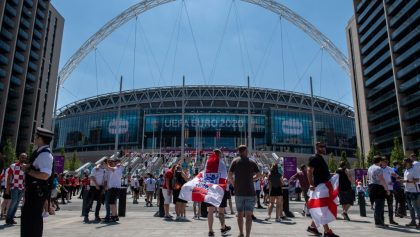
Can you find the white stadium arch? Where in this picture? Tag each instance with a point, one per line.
(145, 5)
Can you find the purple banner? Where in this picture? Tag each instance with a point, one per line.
(58, 164)
(360, 173)
(289, 165)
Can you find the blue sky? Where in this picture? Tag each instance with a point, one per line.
(165, 48)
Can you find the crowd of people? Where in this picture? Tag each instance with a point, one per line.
(245, 180)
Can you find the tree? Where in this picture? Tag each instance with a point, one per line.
(30, 150)
(360, 163)
(9, 153)
(332, 165)
(371, 154)
(397, 153)
(74, 162)
(343, 157)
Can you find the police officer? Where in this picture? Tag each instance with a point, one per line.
(37, 172)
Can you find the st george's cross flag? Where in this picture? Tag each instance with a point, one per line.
(197, 190)
(209, 185)
(323, 202)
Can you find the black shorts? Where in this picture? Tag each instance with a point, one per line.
(276, 192)
(346, 197)
(228, 195)
(113, 195)
(223, 204)
(7, 196)
(176, 197)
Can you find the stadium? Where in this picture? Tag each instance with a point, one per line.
(215, 116)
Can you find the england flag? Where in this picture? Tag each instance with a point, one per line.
(323, 202)
(198, 190)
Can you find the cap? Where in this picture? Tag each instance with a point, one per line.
(42, 132)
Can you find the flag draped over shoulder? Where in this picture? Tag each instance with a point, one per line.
(209, 185)
(323, 202)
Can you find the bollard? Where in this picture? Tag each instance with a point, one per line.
(122, 202)
(286, 208)
(161, 203)
(362, 203)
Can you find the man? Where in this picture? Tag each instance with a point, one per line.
(96, 189)
(378, 190)
(135, 188)
(15, 187)
(167, 191)
(38, 171)
(216, 172)
(318, 173)
(388, 175)
(400, 209)
(150, 184)
(115, 171)
(416, 165)
(304, 185)
(245, 172)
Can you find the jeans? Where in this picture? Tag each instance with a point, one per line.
(258, 197)
(379, 211)
(413, 205)
(16, 195)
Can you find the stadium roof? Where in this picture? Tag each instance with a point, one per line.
(223, 97)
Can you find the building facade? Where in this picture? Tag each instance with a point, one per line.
(215, 116)
(30, 44)
(383, 39)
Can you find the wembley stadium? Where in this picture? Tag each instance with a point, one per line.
(215, 116)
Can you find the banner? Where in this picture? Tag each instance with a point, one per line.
(289, 166)
(197, 190)
(58, 164)
(360, 173)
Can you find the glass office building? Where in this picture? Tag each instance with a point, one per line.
(151, 119)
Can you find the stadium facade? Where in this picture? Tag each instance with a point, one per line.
(215, 116)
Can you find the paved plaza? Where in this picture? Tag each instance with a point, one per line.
(140, 221)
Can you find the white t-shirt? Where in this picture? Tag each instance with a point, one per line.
(388, 171)
(99, 174)
(114, 177)
(44, 161)
(410, 174)
(374, 173)
(135, 183)
(150, 184)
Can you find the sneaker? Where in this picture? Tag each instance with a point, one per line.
(381, 226)
(253, 218)
(267, 219)
(392, 222)
(313, 230)
(106, 220)
(211, 234)
(345, 216)
(45, 214)
(284, 218)
(225, 230)
(86, 219)
(278, 220)
(411, 224)
(97, 219)
(330, 234)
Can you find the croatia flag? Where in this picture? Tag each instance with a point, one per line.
(209, 185)
(323, 202)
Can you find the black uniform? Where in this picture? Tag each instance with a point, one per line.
(36, 192)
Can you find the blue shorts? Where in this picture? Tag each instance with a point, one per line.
(245, 203)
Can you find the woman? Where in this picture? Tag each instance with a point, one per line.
(179, 179)
(411, 179)
(275, 184)
(345, 191)
(6, 194)
(54, 193)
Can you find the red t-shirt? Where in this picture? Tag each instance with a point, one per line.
(85, 181)
(168, 175)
